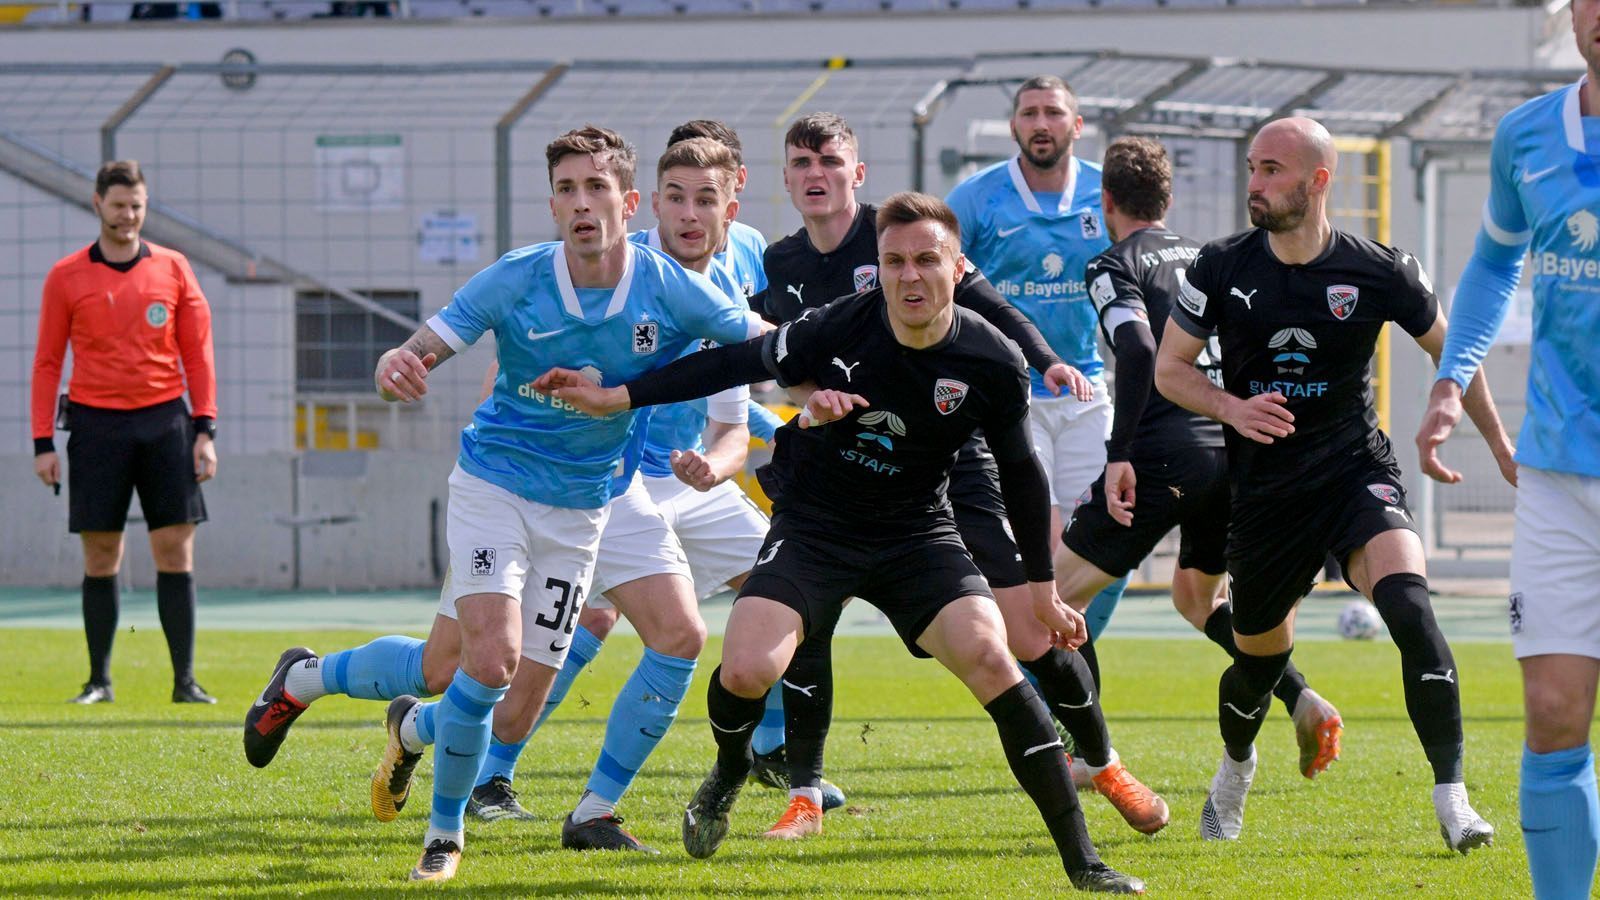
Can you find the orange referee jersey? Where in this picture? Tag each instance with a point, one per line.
(128, 330)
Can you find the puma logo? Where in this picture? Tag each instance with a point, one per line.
(804, 690)
(1448, 677)
(1084, 705)
(1032, 750)
(840, 363)
(1235, 292)
(795, 290)
(1241, 713)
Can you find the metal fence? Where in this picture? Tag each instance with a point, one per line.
(328, 207)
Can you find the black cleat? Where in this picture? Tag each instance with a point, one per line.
(391, 781)
(1100, 878)
(495, 800)
(604, 833)
(771, 769)
(705, 820)
(189, 692)
(94, 693)
(267, 723)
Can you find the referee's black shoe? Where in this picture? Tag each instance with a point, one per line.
(267, 723)
(94, 693)
(705, 819)
(602, 833)
(187, 691)
(1100, 878)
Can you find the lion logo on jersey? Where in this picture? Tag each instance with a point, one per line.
(1054, 265)
(1584, 228)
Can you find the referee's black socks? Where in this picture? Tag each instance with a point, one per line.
(733, 722)
(100, 606)
(1069, 690)
(175, 606)
(1039, 763)
(1219, 628)
(1433, 692)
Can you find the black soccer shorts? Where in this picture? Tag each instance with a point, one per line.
(812, 569)
(112, 452)
(1277, 544)
(1187, 490)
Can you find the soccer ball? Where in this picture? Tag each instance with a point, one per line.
(1359, 621)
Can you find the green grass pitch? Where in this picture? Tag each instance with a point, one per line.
(144, 798)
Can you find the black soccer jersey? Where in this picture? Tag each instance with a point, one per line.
(1140, 273)
(1308, 332)
(799, 277)
(887, 463)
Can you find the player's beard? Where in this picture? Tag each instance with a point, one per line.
(1044, 161)
(1285, 218)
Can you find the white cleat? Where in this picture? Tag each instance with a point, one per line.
(1222, 819)
(1460, 825)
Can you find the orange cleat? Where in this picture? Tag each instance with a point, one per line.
(1317, 729)
(802, 819)
(1142, 808)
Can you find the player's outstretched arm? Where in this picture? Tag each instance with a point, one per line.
(1445, 405)
(690, 377)
(1261, 418)
(402, 372)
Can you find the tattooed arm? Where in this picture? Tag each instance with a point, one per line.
(403, 371)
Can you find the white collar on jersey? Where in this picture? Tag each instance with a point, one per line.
(1572, 116)
(652, 239)
(569, 294)
(1029, 200)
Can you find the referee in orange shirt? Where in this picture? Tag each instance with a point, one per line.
(132, 311)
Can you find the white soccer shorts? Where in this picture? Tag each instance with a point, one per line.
(1555, 565)
(721, 530)
(501, 543)
(1070, 437)
(637, 543)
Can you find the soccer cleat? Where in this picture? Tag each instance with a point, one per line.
(832, 796)
(1222, 818)
(771, 769)
(1142, 808)
(189, 692)
(802, 819)
(1460, 825)
(267, 723)
(1317, 729)
(94, 693)
(1100, 878)
(495, 800)
(705, 819)
(603, 833)
(438, 862)
(391, 781)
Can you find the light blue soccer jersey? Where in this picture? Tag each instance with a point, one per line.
(742, 256)
(680, 426)
(1033, 248)
(1544, 197)
(538, 447)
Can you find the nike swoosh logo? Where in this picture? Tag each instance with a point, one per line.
(1032, 750)
(261, 701)
(541, 335)
(555, 649)
(1008, 232)
(1531, 177)
(449, 752)
(652, 736)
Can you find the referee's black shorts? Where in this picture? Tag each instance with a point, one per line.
(1187, 490)
(812, 569)
(113, 452)
(1277, 544)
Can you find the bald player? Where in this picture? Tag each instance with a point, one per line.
(1297, 306)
